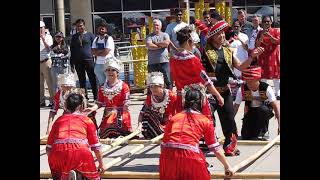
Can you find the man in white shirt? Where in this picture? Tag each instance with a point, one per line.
(253, 34)
(172, 30)
(260, 101)
(45, 64)
(103, 49)
(240, 44)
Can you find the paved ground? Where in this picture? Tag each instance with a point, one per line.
(147, 160)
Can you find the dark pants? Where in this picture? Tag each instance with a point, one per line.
(165, 69)
(226, 117)
(82, 67)
(256, 122)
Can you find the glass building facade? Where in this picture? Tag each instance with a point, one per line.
(119, 14)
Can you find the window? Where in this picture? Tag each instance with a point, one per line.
(114, 23)
(106, 5)
(259, 2)
(166, 4)
(67, 6)
(133, 21)
(131, 5)
(46, 7)
(238, 2)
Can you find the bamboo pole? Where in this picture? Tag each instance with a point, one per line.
(133, 151)
(44, 137)
(155, 175)
(118, 142)
(142, 141)
(242, 165)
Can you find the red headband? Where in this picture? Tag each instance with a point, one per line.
(252, 73)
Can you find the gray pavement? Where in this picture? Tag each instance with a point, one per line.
(148, 159)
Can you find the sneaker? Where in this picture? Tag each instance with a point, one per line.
(72, 175)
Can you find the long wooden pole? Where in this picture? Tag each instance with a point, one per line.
(155, 175)
(135, 141)
(133, 151)
(243, 164)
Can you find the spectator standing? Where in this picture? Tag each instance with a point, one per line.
(158, 57)
(269, 39)
(256, 29)
(103, 49)
(246, 26)
(172, 29)
(60, 55)
(240, 44)
(45, 64)
(81, 57)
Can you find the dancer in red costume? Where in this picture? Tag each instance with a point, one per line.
(68, 146)
(180, 156)
(114, 95)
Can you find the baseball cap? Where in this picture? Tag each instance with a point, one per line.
(42, 24)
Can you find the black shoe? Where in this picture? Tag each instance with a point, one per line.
(278, 98)
(43, 104)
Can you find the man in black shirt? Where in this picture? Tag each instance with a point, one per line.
(81, 57)
(219, 62)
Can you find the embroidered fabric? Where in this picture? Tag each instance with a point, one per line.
(160, 106)
(180, 146)
(71, 140)
(111, 92)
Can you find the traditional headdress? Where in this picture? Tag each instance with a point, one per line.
(155, 78)
(217, 27)
(112, 63)
(198, 86)
(252, 73)
(202, 27)
(66, 80)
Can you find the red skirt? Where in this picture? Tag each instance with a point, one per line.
(181, 164)
(66, 157)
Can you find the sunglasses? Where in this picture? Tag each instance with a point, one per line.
(266, 21)
(110, 70)
(58, 36)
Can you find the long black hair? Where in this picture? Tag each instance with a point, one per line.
(73, 101)
(183, 35)
(193, 101)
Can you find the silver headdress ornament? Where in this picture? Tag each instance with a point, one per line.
(113, 63)
(155, 78)
(74, 90)
(194, 35)
(66, 80)
(197, 86)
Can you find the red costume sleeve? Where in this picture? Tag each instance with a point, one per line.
(100, 95)
(125, 94)
(51, 136)
(92, 135)
(276, 34)
(209, 134)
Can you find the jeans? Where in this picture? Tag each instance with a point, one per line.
(165, 69)
(99, 71)
(55, 71)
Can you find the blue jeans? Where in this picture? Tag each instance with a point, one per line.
(55, 71)
(165, 69)
(99, 71)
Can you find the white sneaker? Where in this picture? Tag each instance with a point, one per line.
(72, 175)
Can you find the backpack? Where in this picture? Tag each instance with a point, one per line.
(116, 50)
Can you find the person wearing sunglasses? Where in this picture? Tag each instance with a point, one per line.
(114, 95)
(269, 60)
(172, 30)
(60, 55)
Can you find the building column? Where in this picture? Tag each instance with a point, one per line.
(60, 16)
(81, 9)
